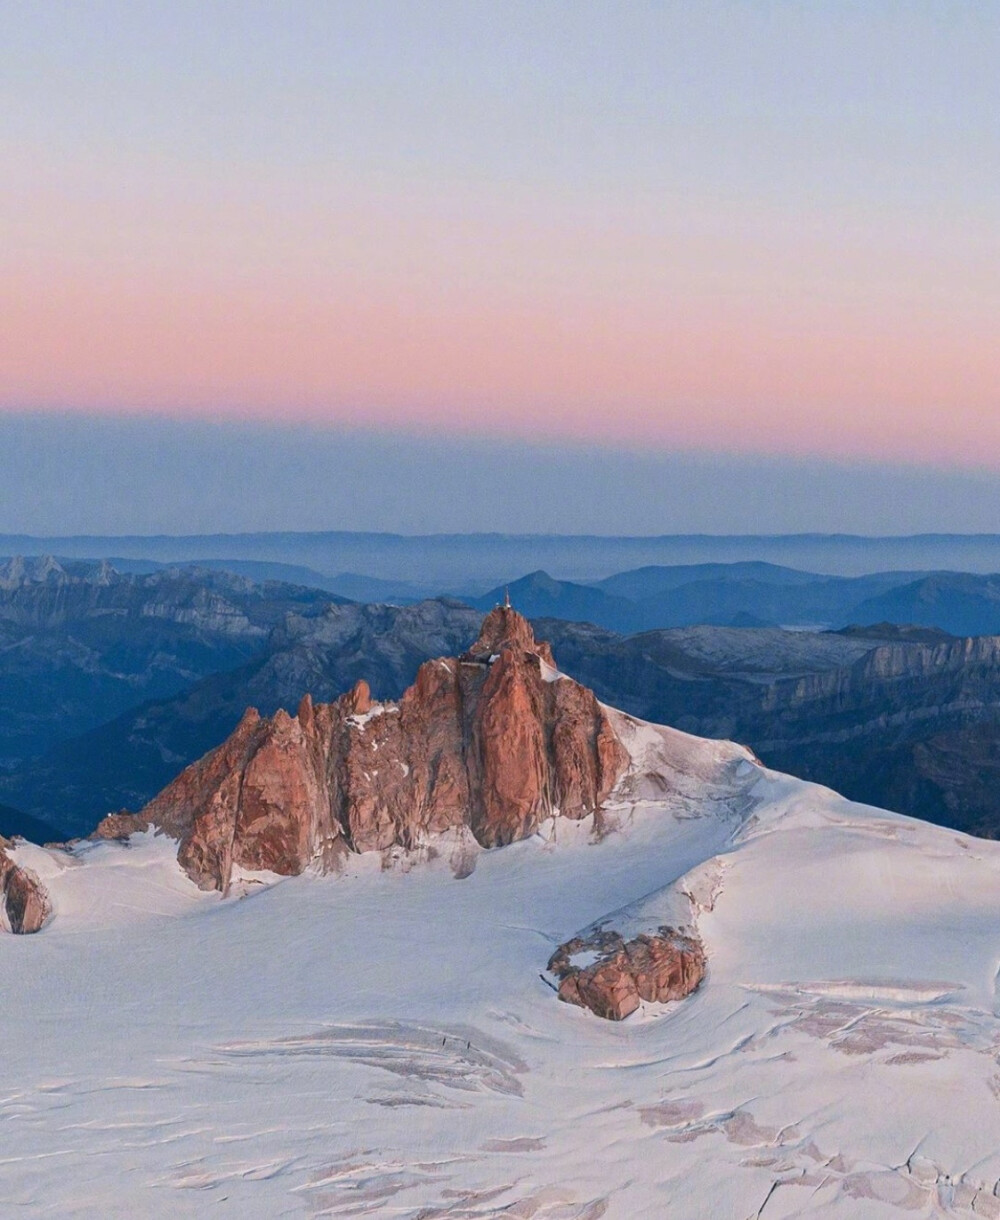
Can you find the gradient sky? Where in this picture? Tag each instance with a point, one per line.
(668, 229)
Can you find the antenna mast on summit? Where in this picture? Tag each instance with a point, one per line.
(506, 598)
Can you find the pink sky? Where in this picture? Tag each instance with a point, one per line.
(755, 360)
(512, 229)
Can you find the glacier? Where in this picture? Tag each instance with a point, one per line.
(385, 1042)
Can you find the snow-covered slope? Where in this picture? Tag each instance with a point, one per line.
(384, 1042)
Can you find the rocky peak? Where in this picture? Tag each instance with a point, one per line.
(503, 629)
(104, 574)
(19, 571)
(488, 745)
(358, 700)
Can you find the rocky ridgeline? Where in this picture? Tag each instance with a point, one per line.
(494, 742)
(24, 902)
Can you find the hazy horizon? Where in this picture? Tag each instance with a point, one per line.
(66, 474)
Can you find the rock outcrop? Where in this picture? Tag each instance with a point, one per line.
(494, 741)
(24, 901)
(620, 974)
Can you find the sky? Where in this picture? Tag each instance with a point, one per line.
(464, 243)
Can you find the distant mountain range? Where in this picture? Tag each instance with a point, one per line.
(742, 593)
(81, 642)
(477, 562)
(759, 595)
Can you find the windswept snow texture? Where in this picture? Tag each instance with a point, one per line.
(383, 1043)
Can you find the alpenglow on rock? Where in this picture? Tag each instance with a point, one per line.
(494, 741)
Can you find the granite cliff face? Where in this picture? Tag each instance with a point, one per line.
(24, 902)
(493, 742)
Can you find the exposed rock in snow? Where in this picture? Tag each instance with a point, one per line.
(24, 903)
(619, 974)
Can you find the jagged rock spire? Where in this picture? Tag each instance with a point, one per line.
(486, 745)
